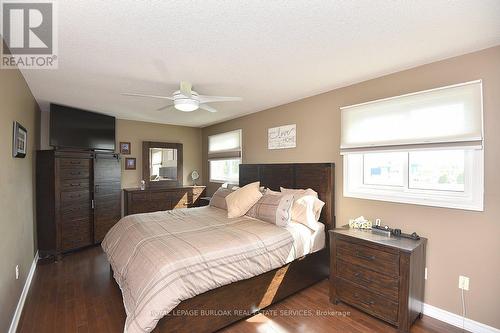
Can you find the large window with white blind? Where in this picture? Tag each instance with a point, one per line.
(224, 157)
(423, 148)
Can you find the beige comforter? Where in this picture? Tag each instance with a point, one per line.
(162, 258)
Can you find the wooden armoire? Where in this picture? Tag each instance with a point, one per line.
(78, 198)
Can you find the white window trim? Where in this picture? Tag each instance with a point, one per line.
(471, 199)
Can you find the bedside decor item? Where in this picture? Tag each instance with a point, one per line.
(195, 176)
(143, 185)
(360, 223)
(282, 137)
(19, 140)
(125, 148)
(130, 163)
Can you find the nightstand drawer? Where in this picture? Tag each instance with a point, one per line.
(374, 304)
(385, 285)
(377, 260)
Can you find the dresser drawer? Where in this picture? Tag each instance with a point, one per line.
(69, 197)
(374, 304)
(74, 173)
(383, 284)
(76, 211)
(74, 184)
(368, 257)
(75, 233)
(74, 163)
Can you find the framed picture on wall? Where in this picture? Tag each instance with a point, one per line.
(130, 163)
(125, 148)
(19, 140)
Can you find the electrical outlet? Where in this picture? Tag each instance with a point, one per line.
(425, 274)
(463, 282)
(17, 272)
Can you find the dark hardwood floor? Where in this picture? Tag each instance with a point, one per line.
(79, 294)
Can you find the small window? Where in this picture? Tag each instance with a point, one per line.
(442, 178)
(224, 156)
(422, 148)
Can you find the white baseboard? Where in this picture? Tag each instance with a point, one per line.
(456, 320)
(22, 299)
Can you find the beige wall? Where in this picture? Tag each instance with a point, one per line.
(16, 192)
(136, 132)
(460, 242)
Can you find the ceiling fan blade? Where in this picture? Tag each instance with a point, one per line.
(209, 99)
(166, 107)
(185, 88)
(207, 108)
(145, 95)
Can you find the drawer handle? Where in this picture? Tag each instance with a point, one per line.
(74, 185)
(362, 279)
(75, 162)
(362, 256)
(369, 303)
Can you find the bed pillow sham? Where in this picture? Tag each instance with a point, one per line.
(299, 193)
(240, 201)
(218, 199)
(273, 208)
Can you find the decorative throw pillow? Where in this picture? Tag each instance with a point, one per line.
(268, 191)
(274, 209)
(240, 201)
(219, 198)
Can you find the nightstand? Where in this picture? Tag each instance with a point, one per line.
(380, 275)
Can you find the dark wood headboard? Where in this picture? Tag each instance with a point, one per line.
(317, 176)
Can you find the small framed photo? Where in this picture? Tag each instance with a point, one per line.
(130, 163)
(19, 140)
(125, 148)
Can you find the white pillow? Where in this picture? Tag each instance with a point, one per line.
(240, 201)
(299, 193)
(306, 209)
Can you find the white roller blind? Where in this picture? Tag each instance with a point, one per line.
(224, 145)
(448, 115)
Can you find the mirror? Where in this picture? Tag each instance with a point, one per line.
(162, 164)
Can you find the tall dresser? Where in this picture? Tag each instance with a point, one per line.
(78, 198)
(380, 275)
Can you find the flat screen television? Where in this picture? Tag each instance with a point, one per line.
(75, 128)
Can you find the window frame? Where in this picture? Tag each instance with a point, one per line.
(472, 198)
(229, 155)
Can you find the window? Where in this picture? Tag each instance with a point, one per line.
(224, 156)
(440, 163)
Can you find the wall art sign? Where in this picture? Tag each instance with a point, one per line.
(282, 137)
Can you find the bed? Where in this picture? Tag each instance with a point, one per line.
(176, 277)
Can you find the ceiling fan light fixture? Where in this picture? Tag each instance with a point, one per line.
(186, 105)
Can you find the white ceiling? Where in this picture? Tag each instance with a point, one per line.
(268, 52)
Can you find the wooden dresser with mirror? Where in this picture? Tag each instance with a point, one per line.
(162, 166)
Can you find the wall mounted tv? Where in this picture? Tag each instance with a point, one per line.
(75, 128)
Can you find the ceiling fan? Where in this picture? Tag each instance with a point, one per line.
(187, 100)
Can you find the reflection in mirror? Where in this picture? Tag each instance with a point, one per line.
(162, 164)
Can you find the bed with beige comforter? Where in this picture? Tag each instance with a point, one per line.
(160, 259)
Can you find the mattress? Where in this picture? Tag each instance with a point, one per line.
(160, 259)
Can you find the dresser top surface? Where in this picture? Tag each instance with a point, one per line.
(137, 189)
(404, 244)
